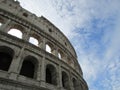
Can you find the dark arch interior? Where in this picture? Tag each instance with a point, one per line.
(65, 80)
(27, 69)
(75, 85)
(6, 55)
(51, 75)
(5, 61)
(48, 76)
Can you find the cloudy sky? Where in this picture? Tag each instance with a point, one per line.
(93, 27)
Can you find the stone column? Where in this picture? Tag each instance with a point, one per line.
(55, 52)
(43, 72)
(38, 72)
(42, 44)
(15, 65)
(43, 67)
(70, 81)
(39, 69)
(5, 26)
(60, 77)
(26, 35)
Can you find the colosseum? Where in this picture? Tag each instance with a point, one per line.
(40, 57)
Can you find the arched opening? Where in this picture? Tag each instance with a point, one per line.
(48, 48)
(6, 56)
(15, 32)
(65, 81)
(75, 84)
(51, 75)
(60, 54)
(28, 67)
(0, 24)
(2, 21)
(33, 41)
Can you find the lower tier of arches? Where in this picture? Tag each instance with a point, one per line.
(25, 65)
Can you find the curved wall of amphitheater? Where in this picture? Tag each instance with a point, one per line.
(25, 65)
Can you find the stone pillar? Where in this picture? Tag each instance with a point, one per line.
(15, 65)
(65, 58)
(5, 26)
(26, 35)
(43, 72)
(55, 52)
(60, 77)
(42, 44)
(70, 81)
(39, 72)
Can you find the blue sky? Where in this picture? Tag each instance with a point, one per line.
(93, 27)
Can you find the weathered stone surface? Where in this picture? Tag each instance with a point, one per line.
(25, 66)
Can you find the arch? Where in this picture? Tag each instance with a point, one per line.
(65, 80)
(75, 84)
(2, 21)
(60, 54)
(15, 32)
(29, 67)
(51, 74)
(33, 41)
(6, 56)
(48, 48)
(0, 24)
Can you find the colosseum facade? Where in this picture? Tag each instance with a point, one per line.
(40, 57)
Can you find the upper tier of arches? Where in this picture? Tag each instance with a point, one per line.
(40, 22)
(39, 36)
(30, 35)
(40, 33)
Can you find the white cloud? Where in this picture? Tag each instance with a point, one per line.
(114, 45)
(112, 71)
(68, 14)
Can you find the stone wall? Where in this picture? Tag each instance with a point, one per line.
(27, 66)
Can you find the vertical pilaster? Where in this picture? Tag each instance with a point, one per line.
(42, 44)
(43, 72)
(60, 77)
(15, 65)
(26, 35)
(65, 58)
(38, 71)
(70, 81)
(5, 26)
(55, 52)
(43, 65)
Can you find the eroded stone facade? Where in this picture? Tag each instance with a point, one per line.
(25, 65)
